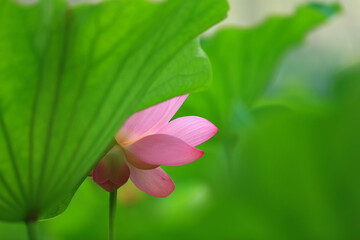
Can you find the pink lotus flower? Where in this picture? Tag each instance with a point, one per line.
(147, 140)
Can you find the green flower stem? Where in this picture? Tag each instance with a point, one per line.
(112, 214)
(33, 230)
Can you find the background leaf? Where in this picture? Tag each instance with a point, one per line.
(69, 76)
(244, 60)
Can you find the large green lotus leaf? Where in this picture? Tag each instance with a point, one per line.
(196, 72)
(244, 60)
(69, 76)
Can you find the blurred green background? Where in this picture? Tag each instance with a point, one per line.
(285, 163)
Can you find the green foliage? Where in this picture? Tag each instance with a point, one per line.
(281, 167)
(300, 168)
(69, 76)
(244, 60)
